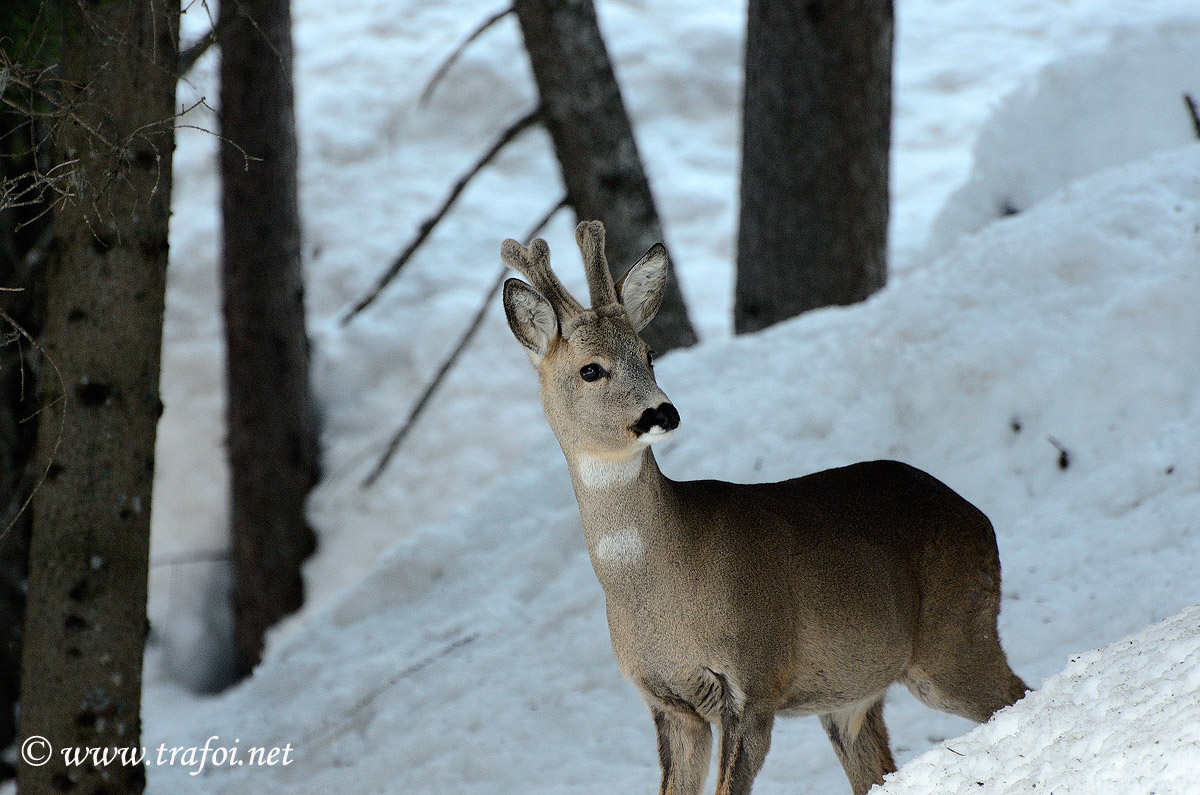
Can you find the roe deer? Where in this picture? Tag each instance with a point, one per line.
(728, 603)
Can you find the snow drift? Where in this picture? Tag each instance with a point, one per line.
(1082, 114)
(1125, 718)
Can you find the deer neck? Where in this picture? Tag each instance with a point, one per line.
(623, 505)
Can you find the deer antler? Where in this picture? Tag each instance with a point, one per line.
(534, 264)
(590, 237)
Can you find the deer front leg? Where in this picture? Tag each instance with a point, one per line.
(745, 740)
(684, 746)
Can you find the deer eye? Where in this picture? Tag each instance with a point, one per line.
(592, 372)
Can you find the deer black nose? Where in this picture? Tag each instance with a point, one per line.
(665, 417)
(668, 417)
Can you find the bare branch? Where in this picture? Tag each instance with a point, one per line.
(192, 53)
(453, 57)
(1064, 455)
(545, 219)
(477, 321)
(62, 398)
(1193, 111)
(506, 137)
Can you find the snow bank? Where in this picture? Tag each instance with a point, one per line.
(1083, 114)
(1120, 719)
(475, 657)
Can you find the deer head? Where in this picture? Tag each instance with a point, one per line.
(596, 375)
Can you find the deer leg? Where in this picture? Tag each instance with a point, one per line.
(860, 739)
(745, 740)
(684, 747)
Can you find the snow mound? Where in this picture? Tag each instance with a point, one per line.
(475, 657)
(1117, 719)
(1082, 114)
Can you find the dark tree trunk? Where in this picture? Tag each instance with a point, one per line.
(594, 142)
(816, 131)
(272, 441)
(85, 622)
(24, 238)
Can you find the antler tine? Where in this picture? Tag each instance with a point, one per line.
(590, 237)
(534, 264)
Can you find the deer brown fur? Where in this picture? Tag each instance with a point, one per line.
(729, 604)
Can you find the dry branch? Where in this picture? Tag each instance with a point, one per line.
(19, 332)
(1193, 111)
(192, 53)
(454, 55)
(427, 226)
(418, 407)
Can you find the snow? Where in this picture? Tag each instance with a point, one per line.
(454, 637)
(1141, 688)
(1079, 115)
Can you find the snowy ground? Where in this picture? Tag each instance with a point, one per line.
(454, 638)
(1141, 690)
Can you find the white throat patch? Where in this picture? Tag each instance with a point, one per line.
(600, 473)
(622, 546)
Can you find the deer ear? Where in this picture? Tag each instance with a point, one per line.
(530, 317)
(641, 289)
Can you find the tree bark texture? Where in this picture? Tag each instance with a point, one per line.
(272, 436)
(593, 139)
(85, 622)
(816, 133)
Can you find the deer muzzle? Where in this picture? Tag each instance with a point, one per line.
(660, 420)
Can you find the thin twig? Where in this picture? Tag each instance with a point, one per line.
(454, 55)
(247, 158)
(62, 418)
(1193, 111)
(1064, 455)
(477, 321)
(506, 137)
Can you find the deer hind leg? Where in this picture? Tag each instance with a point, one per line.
(860, 740)
(745, 740)
(684, 748)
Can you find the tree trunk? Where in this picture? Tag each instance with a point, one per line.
(272, 441)
(594, 142)
(816, 130)
(24, 234)
(85, 623)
